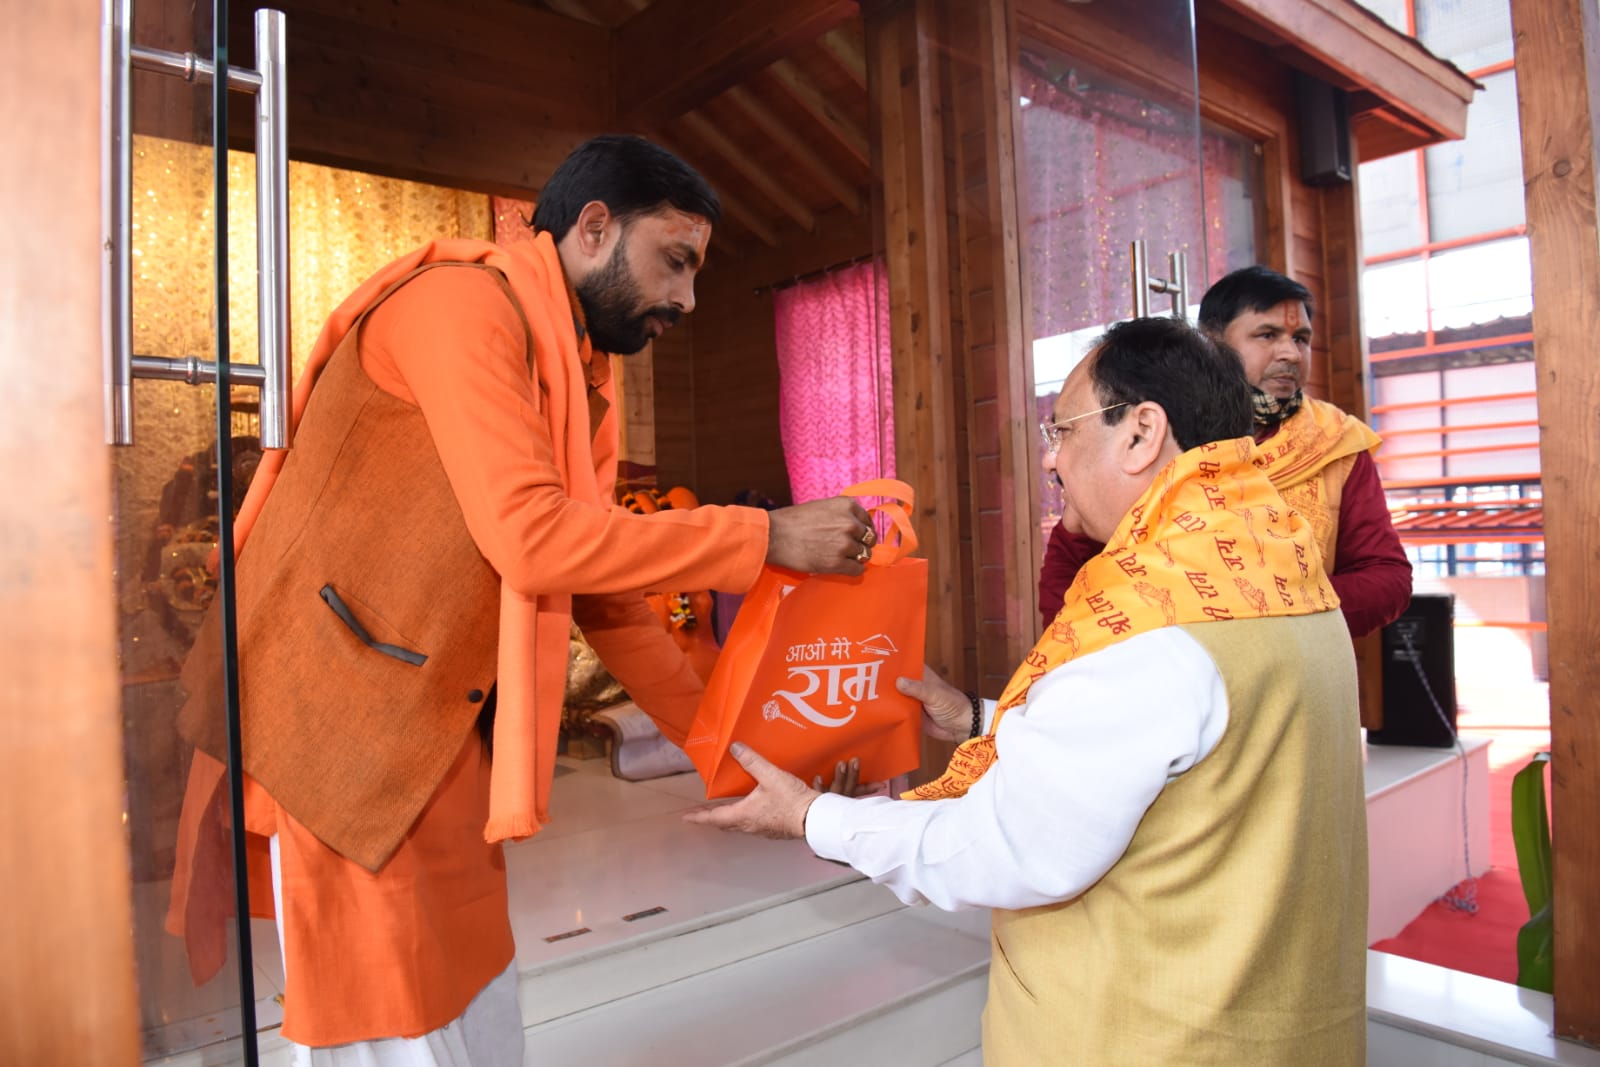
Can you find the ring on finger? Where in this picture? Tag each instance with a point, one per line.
(864, 555)
(869, 537)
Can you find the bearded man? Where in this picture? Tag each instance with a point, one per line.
(1167, 814)
(408, 574)
(1319, 457)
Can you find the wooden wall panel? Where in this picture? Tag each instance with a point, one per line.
(67, 976)
(633, 377)
(1338, 323)
(1558, 92)
(1340, 359)
(488, 96)
(734, 396)
(998, 373)
(672, 385)
(967, 324)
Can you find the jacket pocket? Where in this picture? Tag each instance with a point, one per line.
(336, 603)
(1009, 970)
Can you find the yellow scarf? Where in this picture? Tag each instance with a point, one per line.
(1303, 459)
(1209, 540)
(1309, 440)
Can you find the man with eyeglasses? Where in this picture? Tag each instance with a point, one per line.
(1319, 457)
(1173, 848)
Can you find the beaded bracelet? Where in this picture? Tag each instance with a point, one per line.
(977, 715)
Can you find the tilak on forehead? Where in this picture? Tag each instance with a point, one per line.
(694, 230)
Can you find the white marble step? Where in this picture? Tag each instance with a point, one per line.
(907, 985)
(582, 981)
(813, 980)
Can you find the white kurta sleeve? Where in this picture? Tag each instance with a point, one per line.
(1079, 764)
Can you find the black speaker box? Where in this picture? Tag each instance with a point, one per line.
(1419, 644)
(1324, 114)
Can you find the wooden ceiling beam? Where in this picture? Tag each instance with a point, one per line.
(707, 133)
(747, 217)
(615, 12)
(574, 9)
(843, 48)
(807, 95)
(1362, 50)
(676, 54)
(741, 212)
(774, 127)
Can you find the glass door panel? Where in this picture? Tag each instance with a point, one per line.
(166, 524)
(1109, 154)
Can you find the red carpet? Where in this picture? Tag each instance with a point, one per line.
(1485, 942)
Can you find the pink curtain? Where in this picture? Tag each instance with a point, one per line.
(835, 402)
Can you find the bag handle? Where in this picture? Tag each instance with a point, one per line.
(886, 554)
(890, 487)
(897, 509)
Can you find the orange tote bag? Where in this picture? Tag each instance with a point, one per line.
(806, 676)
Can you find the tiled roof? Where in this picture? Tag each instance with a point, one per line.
(1463, 522)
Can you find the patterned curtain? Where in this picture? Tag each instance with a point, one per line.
(835, 396)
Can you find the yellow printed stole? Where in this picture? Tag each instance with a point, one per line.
(1210, 540)
(1303, 457)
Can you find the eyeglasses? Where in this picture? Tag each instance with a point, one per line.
(1051, 430)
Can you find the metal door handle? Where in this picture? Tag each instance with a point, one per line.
(272, 224)
(116, 204)
(1177, 285)
(269, 84)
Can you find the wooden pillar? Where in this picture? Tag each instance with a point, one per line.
(999, 375)
(904, 88)
(1558, 93)
(66, 947)
(1340, 328)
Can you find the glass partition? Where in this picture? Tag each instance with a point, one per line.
(1109, 153)
(166, 520)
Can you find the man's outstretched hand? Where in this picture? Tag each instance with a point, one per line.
(832, 536)
(946, 710)
(778, 805)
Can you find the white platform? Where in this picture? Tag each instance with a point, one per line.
(1418, 808)
(1420, 1015)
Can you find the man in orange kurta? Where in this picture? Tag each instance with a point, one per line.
(407, 576)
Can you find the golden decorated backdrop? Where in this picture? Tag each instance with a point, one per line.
(343, 226)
